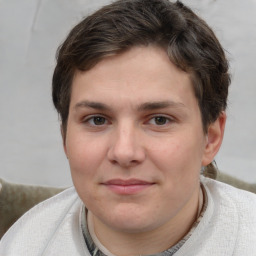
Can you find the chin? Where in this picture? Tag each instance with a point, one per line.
(130, 221)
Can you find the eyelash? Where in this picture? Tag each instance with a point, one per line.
(92, 118)
(166, 120)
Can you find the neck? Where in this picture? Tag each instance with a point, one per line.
(150, 242)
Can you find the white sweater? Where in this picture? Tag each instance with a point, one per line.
(53, 227)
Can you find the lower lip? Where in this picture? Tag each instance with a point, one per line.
(128, 189)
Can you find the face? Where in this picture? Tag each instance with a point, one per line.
(135, 141)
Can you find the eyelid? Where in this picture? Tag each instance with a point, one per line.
(87, 118)
(154, 124)
(168, 117)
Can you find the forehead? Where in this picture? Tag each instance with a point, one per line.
(141, 73)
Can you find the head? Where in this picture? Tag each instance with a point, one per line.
(188, 41)
(141, 87)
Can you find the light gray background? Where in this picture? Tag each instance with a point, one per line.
(30, 31)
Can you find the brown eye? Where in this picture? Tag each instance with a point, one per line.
(97, 120)
(160, 120)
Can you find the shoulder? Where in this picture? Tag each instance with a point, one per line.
(35, 230)
(239, 198)
(235, 213)
(228, 226)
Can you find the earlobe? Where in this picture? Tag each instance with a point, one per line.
(215, 136)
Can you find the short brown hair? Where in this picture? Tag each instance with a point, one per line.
(189, 42)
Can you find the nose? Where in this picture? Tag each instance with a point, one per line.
(126, 147)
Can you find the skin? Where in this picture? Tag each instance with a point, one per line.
(135, 145)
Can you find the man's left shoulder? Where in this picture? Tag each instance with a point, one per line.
(243, 200)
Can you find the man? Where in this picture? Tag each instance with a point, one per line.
(141, 89)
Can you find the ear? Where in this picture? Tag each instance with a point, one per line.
(63, 135)
(215, 134)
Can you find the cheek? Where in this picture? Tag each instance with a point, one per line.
(84, 155)
(178, 156)
(84, 160)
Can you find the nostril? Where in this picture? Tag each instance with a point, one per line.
(112, 161)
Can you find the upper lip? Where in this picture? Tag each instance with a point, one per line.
(129, 182)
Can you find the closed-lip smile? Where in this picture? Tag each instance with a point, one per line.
(127, 187)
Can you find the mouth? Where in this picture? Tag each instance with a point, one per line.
(127, 187)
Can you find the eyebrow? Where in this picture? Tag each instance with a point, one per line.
(143, 107)
(92, 104)
(158, 105)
